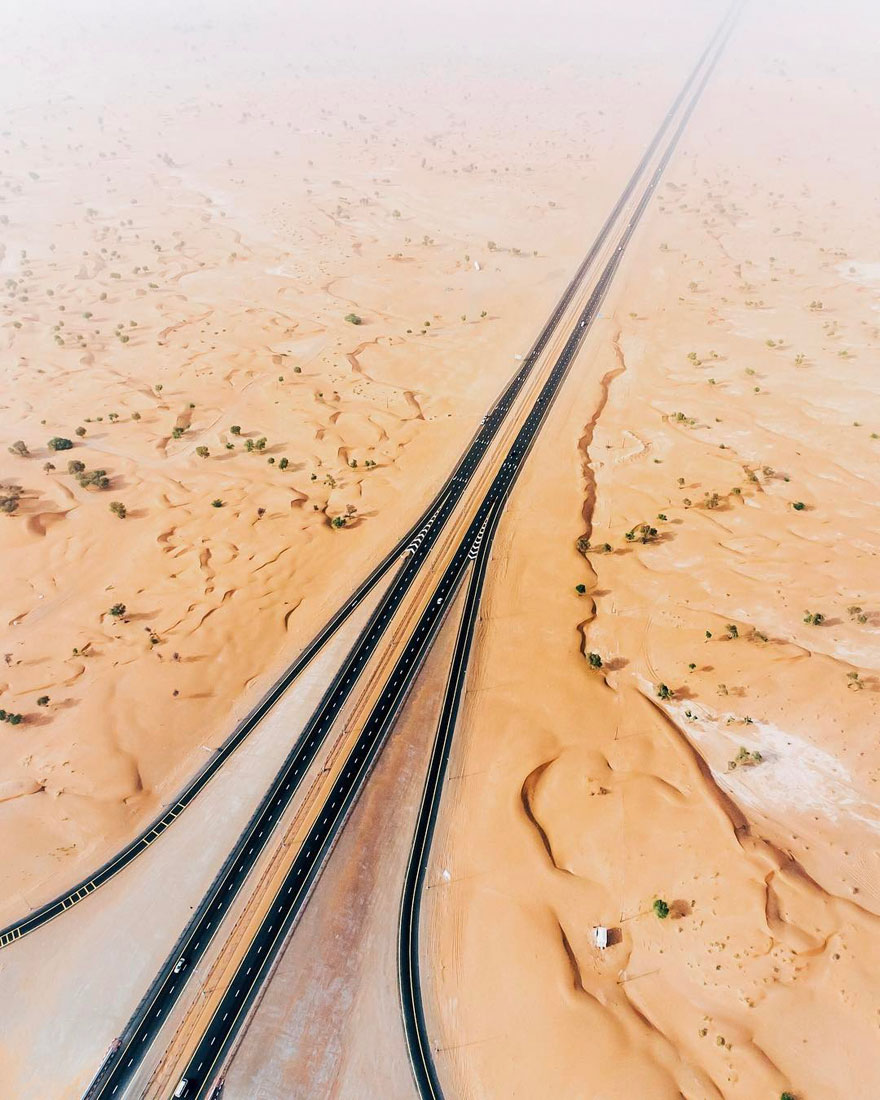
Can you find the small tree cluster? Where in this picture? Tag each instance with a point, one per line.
(642, 532)
(59, 443)
(93, 479)
(10, 496)
(118, 509)
(19, 448)
(12, 719)
(118, 610)
(744, 759)
(344, 520)
(661, 908)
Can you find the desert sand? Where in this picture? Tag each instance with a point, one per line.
(723, 759)
(261, 289)
(180, 251)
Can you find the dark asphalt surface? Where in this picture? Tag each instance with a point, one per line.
(153, 1011)
(476, 545)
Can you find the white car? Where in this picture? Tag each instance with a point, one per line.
(178, 966)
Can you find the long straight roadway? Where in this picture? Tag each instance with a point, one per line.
(240, 993)
(150, 1015)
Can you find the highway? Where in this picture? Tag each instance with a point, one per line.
(415, 1025)
(451, 491)
(412, 541)
(242, 990)
(153, 1011)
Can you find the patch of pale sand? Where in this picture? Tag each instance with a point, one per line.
(314, 1031)
(866, 272)
(799, 777)
(584, 801)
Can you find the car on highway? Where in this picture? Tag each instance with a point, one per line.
(182, 1086)
(178, 966)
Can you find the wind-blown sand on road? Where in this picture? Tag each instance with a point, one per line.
(724, 758)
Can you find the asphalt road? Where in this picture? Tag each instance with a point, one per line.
(414, 540)
(242, 991)
(151, 1013)
(409, 981)
(155, 1007)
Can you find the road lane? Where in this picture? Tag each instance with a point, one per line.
(150, 1016)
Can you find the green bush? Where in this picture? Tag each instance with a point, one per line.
(661, 908)
(118, 610)
(353, 319)
(94, 479)
(595, 660)
(59, 443)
